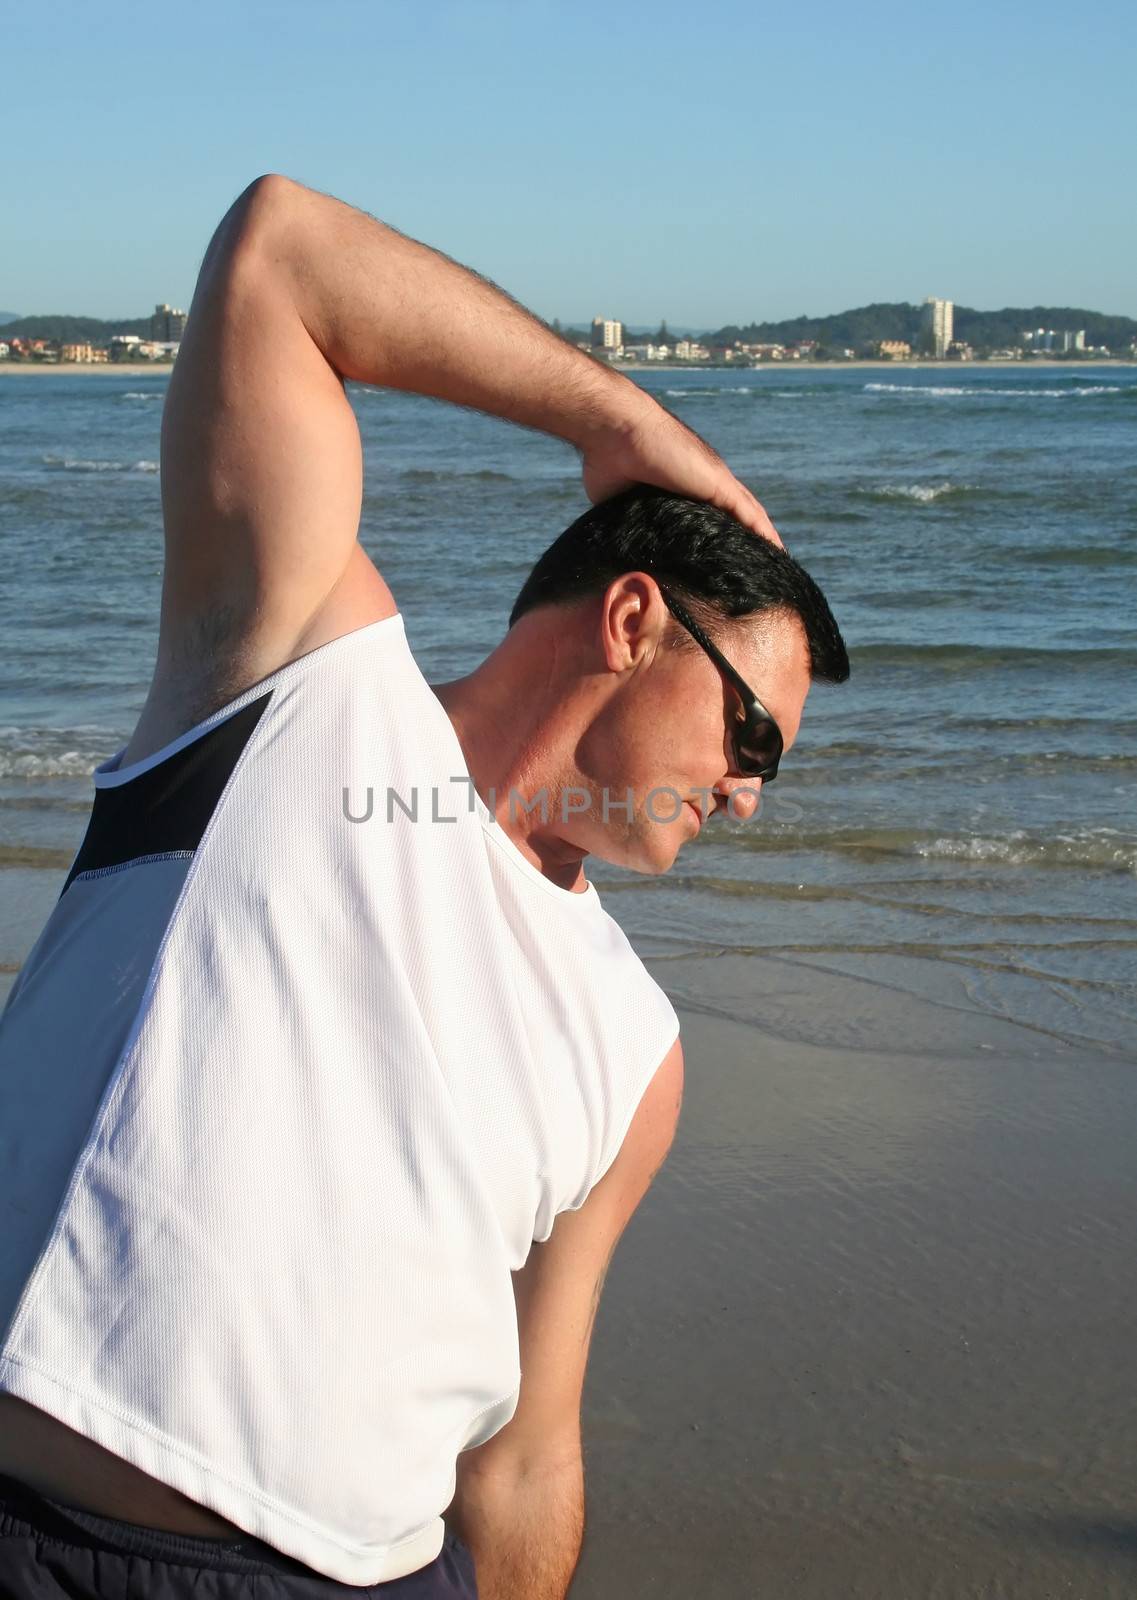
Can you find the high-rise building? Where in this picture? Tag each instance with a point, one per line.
(1050, 340)
(937, 326)
(167, 325)
(607, 334)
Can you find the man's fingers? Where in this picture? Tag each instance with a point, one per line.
(761, 524)
(750, 511)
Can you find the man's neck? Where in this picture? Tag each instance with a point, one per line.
(511, 759)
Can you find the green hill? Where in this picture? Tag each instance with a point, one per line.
(75, 330)
(986, 330)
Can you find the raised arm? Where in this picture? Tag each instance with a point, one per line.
(262, 473)
(385, 310)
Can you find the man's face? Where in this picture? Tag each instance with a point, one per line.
(666, 735)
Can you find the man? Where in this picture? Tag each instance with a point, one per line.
(321, 1116)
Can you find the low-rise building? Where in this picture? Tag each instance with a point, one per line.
(31, 350)
(894, 349)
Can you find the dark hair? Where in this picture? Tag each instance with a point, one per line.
(710, 562)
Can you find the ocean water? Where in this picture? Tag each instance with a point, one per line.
(959, 819)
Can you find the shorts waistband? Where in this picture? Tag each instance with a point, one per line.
(23, 1511)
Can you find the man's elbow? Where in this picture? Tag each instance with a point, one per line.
(270, 190)
(253, 218)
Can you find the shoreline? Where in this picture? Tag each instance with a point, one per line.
(136, 369)
(69, 369)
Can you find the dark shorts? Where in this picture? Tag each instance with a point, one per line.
(51, 1552)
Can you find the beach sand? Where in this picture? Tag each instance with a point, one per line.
(872, 1331)
(77, 369)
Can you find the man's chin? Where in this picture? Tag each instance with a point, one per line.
(651, 857)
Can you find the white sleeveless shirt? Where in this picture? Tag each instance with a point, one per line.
(284, 1099)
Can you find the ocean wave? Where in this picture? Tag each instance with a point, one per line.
(1095, 555)
(922, 493)
(80, 464)
(44, 752)
(1103, 849)
(143, 394)
(912, 598)
(951, 390)
(690, 394)
(760, 391)
(68, 764)
(432, 475)
(1090, 849)
(978, 657)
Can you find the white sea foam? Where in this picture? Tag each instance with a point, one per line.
(67, 764)
(83, 464)
(922, 493)
(1103, 848)
(140, 394)
(691, 394)
(45, 752)
(940, 391)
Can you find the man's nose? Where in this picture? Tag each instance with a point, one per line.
(739, 797)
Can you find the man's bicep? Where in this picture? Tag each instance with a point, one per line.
(262, 468)
(558, 1290)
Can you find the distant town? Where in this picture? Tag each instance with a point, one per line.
(845, 337)
(935, 341)
(167, 326)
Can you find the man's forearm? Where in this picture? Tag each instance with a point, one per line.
(525, 1534)
(388, 311)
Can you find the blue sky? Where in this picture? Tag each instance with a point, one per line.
(704, 163)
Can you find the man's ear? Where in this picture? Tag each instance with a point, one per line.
(633, 619)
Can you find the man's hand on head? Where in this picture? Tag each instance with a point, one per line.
(655, 447)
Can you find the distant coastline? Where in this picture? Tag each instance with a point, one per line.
(924, 364)
(139, 369)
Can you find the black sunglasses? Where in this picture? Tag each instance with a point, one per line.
(755, 737)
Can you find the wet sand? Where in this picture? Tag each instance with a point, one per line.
(872, 1332)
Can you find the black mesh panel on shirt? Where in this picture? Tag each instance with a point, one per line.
(166, 808)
